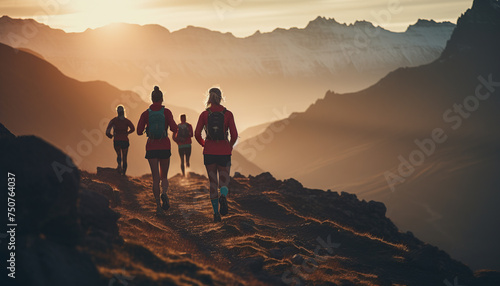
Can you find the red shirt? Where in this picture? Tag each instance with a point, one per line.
(157, 144)
(220, 147)
(121, 128)
(186, 140)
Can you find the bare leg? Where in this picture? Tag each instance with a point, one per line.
(223, 175)
(188, 154)
(164, 165)
(214, 184)
(155, 171)
(124, 155)
(223, 182)
(181, 154)
(118, 157)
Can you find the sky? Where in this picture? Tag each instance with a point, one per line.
(240, 17)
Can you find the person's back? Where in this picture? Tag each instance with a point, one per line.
(156, 120)
(183, 140)
(218, 146)
(122, 127)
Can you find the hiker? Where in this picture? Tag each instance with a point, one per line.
(122, 127)
(183, 140)
(156, 120)
(216, 120)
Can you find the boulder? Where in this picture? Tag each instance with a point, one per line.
(97, 220)
(46, 184)
(48, 231)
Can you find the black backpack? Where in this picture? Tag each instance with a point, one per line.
(215, 125)
(183, 132)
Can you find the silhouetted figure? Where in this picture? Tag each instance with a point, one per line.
(156, 120)
(216, 120)
(183, 140)
(122, 127)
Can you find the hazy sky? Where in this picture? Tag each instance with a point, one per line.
(241, 17)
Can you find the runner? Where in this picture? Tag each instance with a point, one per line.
(216, 120)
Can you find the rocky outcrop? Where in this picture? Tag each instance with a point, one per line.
(48, 230)
(277, 232)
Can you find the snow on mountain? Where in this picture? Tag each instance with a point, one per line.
(270, 68)
(323, 48)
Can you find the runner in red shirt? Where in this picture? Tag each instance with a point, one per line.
(122, 128)
(156, 124)
(183, 140)
(216, 120)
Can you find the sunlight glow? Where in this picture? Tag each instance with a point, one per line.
(97, 13)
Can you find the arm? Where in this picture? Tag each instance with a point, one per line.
(199, 127)
(170, 121)
(190, 130)
(108, 129)
(142, 123)
(232, 130)
(174, 137)
(131, 127)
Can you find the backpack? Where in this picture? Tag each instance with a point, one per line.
(156, 125)
(183, 132)
(215, 125)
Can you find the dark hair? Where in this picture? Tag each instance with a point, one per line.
(156, 95)
(120, 110)
(214, 96)
(183, 116)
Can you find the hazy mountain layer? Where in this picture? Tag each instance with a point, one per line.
(423, 140)
(38, 99)
(263, 72)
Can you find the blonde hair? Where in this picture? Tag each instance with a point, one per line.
(214, 97)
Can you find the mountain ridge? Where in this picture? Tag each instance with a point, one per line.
(319, 21)
(47, 94)
(269, 66)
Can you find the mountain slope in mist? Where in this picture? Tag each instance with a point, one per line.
(38, 99)
(423, 140)
(265, 67)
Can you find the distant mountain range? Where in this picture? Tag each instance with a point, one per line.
(423, 140)
(265, 67)
(36, 98)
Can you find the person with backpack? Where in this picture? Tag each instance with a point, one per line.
(122, 127)
(183, 140)
(155, 121)
(216, 120)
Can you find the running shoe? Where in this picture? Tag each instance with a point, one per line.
(223, 205)
(217, 217)
(165, 205)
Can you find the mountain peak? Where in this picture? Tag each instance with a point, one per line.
(424, 23)
(132, 27)
(363, 23)
(322, 22)
(477, 29)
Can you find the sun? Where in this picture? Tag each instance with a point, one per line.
(97, 13)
